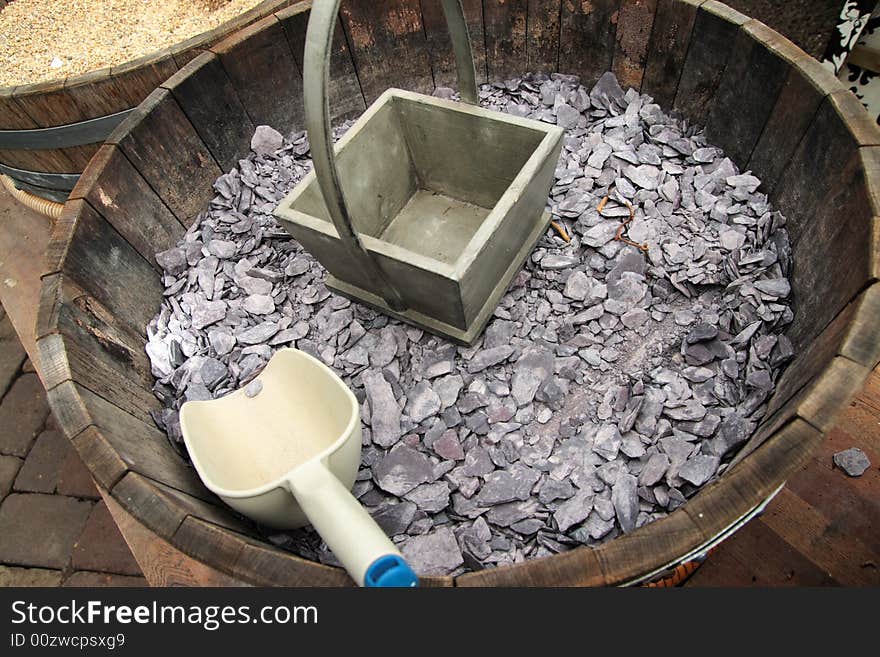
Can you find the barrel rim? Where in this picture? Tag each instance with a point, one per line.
(770, 460)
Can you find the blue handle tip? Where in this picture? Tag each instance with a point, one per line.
(390, 571)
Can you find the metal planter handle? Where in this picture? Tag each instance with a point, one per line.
(316, 74)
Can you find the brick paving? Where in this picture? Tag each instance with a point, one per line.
(54, 528)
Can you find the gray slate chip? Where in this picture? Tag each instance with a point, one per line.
(435, 553)
(384, 410)
(401, 470)
(853, 461)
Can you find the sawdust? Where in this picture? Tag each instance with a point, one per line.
(52, 39)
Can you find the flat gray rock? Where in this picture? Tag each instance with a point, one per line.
(173, 261)
(530, 372)
(266, 140)
(505, 515)
(853, 461)
(259, 304)
(448, 389)
(646, 176)
(489, 357)
(606, 441)
(477, 462)
(600, 234)
(578, 286)
(207, 313)
(385, 412)
(401, 470)
(507, 485)
(448, 446)
(435, 553)
(394, 519)
(431, 497)
(733, 431)
(257, 334)
(698, 469)
(221, 341)
(625, 501)
(654, 470)
(422, 402)
(573, 511)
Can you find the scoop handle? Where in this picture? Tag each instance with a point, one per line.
(358, 542)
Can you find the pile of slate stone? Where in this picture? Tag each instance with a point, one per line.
(611, 383)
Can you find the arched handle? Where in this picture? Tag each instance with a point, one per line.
(316, 74)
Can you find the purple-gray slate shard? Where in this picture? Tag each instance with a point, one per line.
(430, 498)
(401, 470)
(654, 469)
(573, 511)
(394, 519)
(422, 402)
(207, 313)
(853, 461)
(173, 261)
(266, 140)
(435, 553)
(384, 410)
(625, 501)
(489, 357)
(504, 515)
(507, 485)
(698, 469)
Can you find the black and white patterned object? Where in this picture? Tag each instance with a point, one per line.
(853, 19)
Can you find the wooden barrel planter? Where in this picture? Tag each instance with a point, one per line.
(772, 108)
(50, 130)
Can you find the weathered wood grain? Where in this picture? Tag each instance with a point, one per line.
(97, 93)
(711, 44)
(832, 254)
(163, 146)
(440, 45)
(260, 64)
(121, 439)
(747, 92)
(388, 45)
(543, 36)
(632, 38)
(210, 102)
(14, 117)
(163, 509)
(105, 266)
(648, 548)
(578, 567)
(162, 563)
(506, 38)
(813, 359)
(860, 343)
(587, 38)
(264, 565)
(49, 105)
(826, 155)
(806, 84)
(89, 346)
(114, 188)
(346, 98)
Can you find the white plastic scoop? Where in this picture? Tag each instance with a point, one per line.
(285, 451)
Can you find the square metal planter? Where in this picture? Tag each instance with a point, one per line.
(448, 198)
